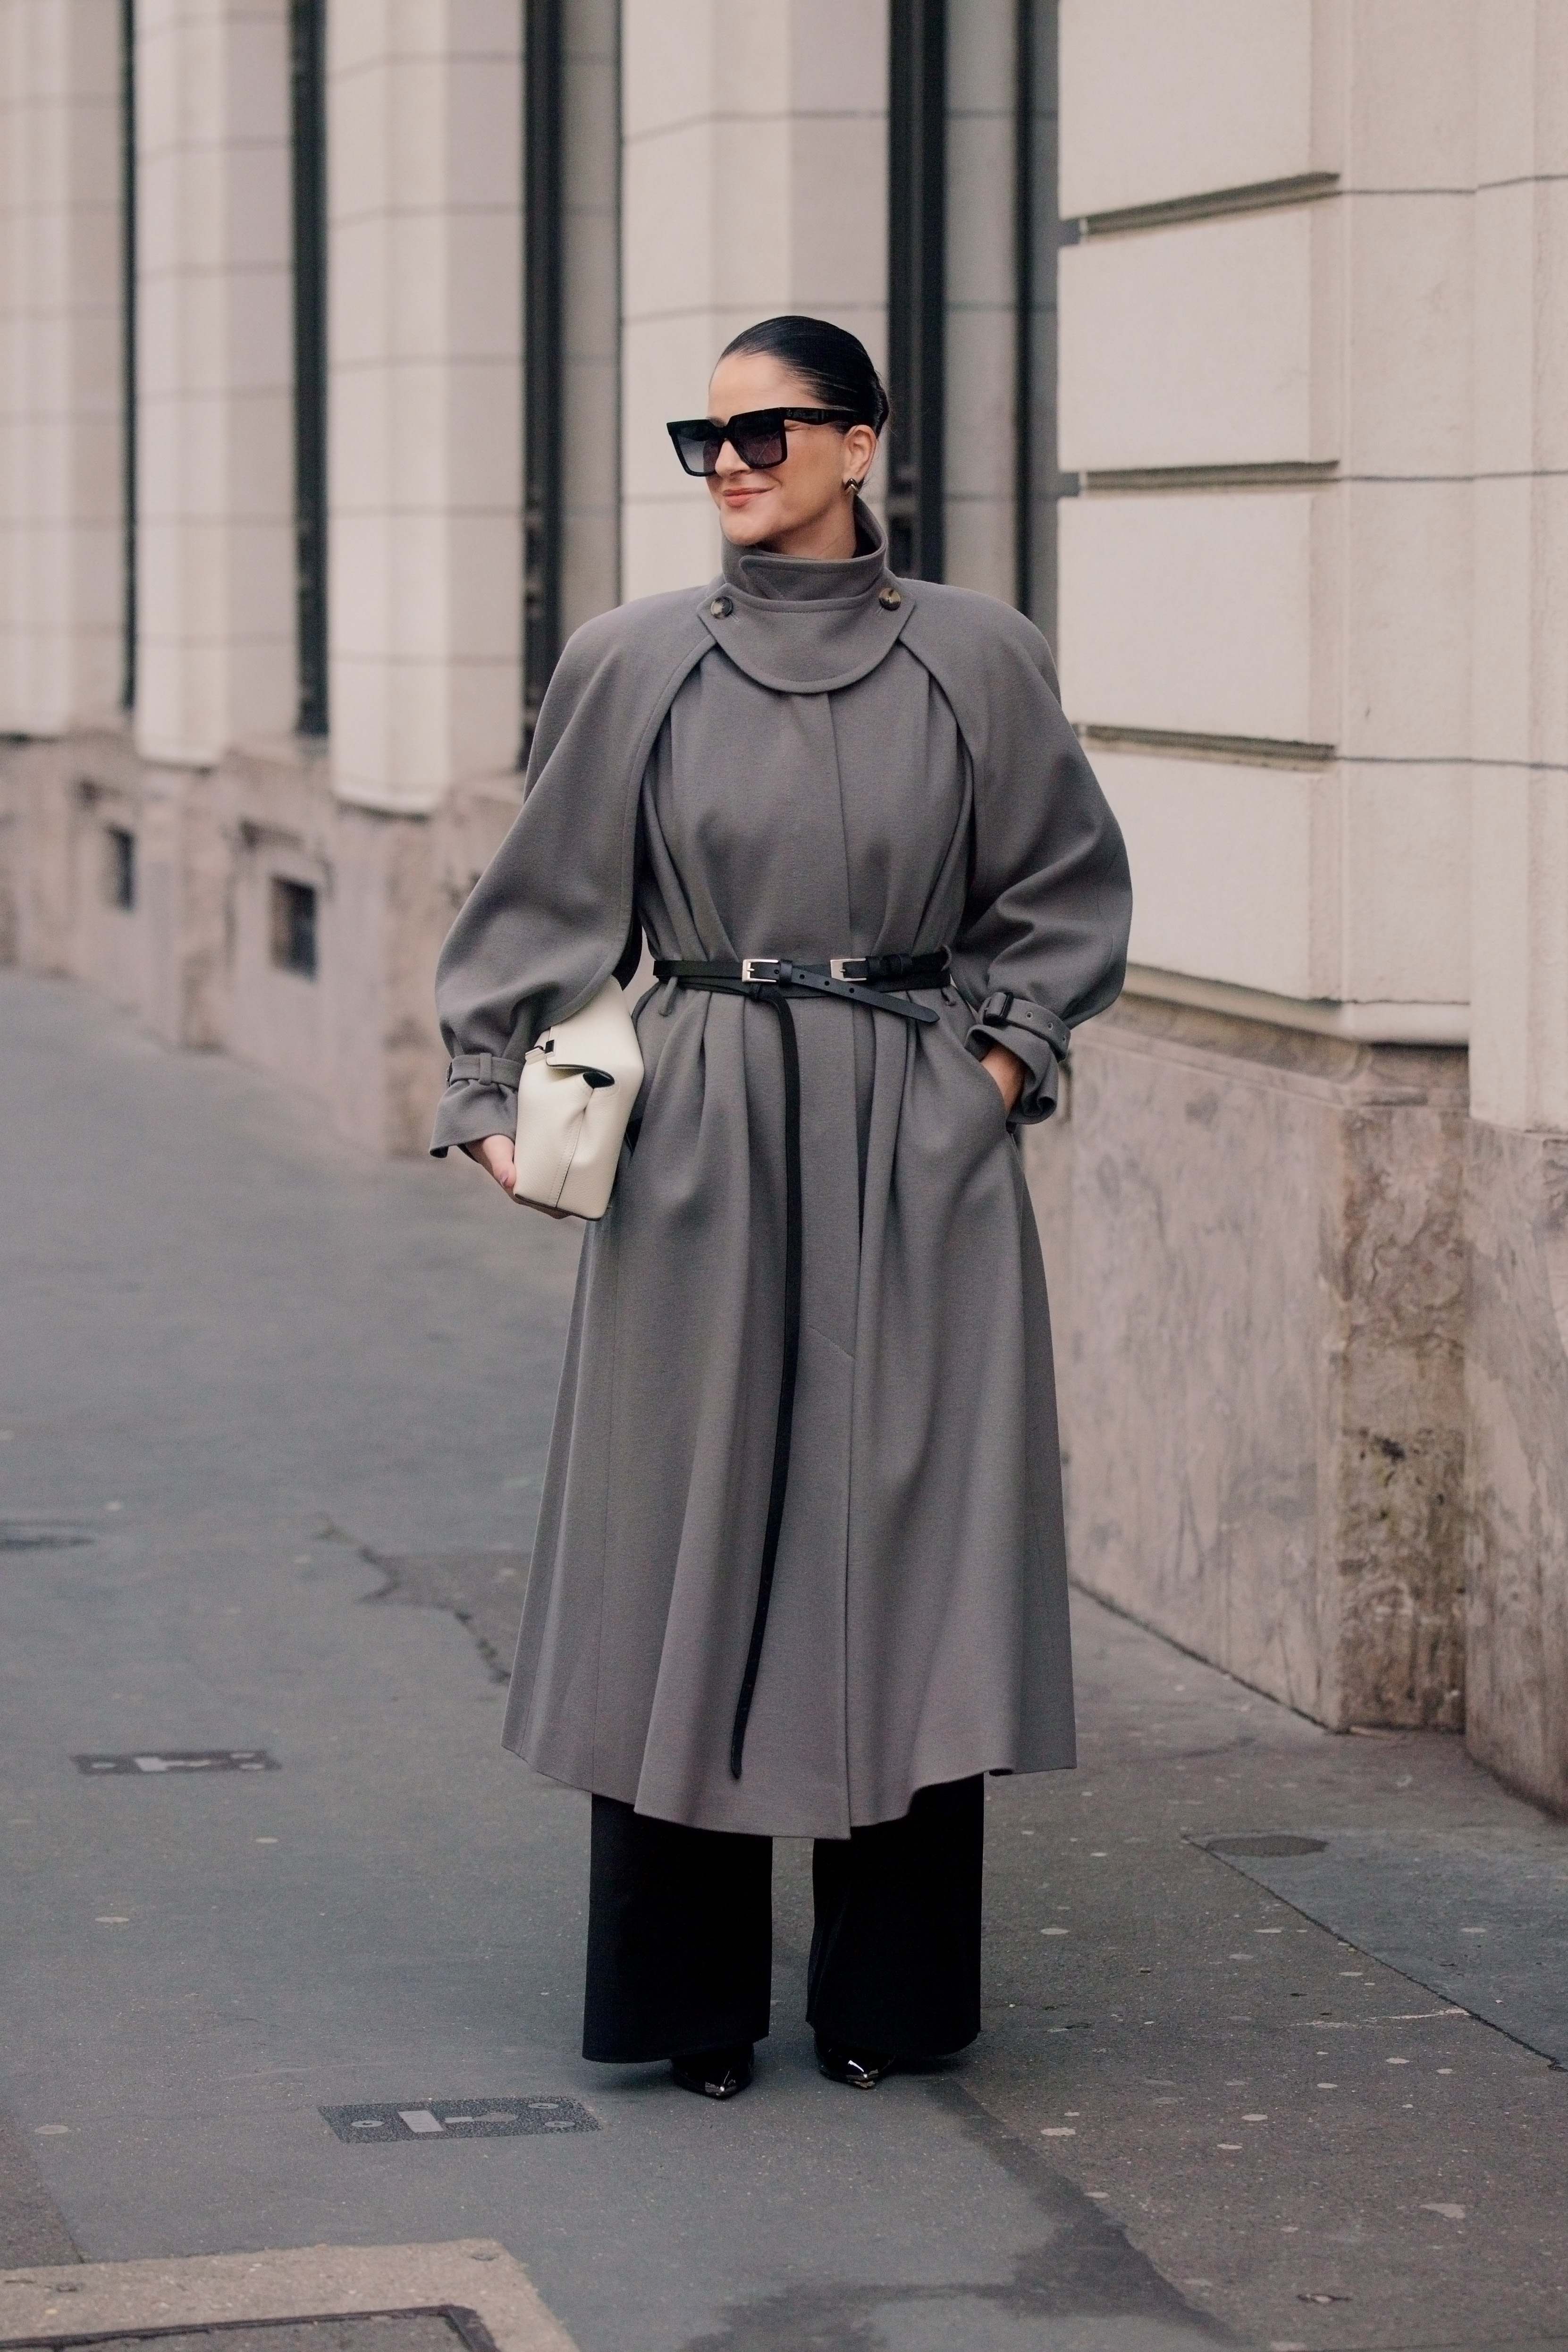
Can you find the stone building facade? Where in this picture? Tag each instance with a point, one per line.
(1228, 338)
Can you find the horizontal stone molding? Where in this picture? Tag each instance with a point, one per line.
(1360, 1024)
(1285, 474)
(1211, 204)
(1172, 743)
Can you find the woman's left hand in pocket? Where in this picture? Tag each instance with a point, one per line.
(1009, 1074)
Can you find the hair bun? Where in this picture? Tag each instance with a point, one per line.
(833, 362)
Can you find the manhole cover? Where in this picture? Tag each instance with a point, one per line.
(459, 2119)
(183, 1760)
(24, 1534)
(1263, 1849)
(446, 2328)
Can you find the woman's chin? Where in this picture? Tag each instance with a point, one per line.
(745, 525)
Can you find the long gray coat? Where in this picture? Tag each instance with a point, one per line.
(782, 764)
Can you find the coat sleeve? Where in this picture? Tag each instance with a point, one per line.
(552, 916)
(1043, 944)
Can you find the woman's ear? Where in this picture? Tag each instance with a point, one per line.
(860, 450)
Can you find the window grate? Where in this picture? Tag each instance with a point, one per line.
(294, 926)
(120, 867)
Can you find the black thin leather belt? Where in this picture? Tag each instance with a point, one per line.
(772, 980)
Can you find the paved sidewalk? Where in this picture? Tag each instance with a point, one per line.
(261, 1396)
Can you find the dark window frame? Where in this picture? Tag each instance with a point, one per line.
(128, 513)
(917, 284)
(543, 314)
(308, 105)
(1038, 239)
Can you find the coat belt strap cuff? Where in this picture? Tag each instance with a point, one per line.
(1002, 1010)
(484, 1070)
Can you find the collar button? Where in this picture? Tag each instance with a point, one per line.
(889, 600)
(721, 608)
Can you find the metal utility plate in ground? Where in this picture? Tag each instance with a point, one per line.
(181, 1759)
(466, 2296)
(446, 2329)
(1479, 1916)
(510, 2118)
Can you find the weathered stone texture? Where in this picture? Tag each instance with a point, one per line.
(1517, 1461)
(193, 955)
(1260, 1329)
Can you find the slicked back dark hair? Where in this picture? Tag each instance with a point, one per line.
(833, 362)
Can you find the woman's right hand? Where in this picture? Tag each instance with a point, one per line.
(494, 1155)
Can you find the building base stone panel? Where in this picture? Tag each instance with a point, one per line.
(1517, 1458)
(1255, 1241)
(186, 925)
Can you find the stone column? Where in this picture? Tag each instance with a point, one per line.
(425, 534)
(756, 172)
(215, 570)
(61, 451)
(1517, 1381)
(214, 589)
(980, 456)
(425, 440)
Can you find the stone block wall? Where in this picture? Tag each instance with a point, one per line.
(196, 952)
(1255, 1238)
(1516, 1487)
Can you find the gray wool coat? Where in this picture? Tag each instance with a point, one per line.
(782, 763)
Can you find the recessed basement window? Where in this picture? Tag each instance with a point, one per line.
(294, 926)
(119, 866)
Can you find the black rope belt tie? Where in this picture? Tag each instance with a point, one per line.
(773, 980)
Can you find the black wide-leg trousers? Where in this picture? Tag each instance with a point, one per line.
(680, 1933)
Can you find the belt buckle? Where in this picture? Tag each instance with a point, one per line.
(853, 968)
(762, 969)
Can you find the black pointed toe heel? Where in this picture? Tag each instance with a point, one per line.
(863, 2069)
(714, 2074)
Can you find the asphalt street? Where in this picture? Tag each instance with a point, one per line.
(272, 1422)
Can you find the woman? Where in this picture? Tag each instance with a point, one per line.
(799, 1569)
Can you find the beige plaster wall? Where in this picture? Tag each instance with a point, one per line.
(1160, 101)
(1194, 611)
(1312, 588)
(1199, 345)
(1520, 571)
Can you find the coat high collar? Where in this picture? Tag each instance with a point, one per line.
(801, 626)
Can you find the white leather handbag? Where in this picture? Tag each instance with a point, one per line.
(579, 1082)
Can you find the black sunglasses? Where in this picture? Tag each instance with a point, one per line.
(758, 437)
